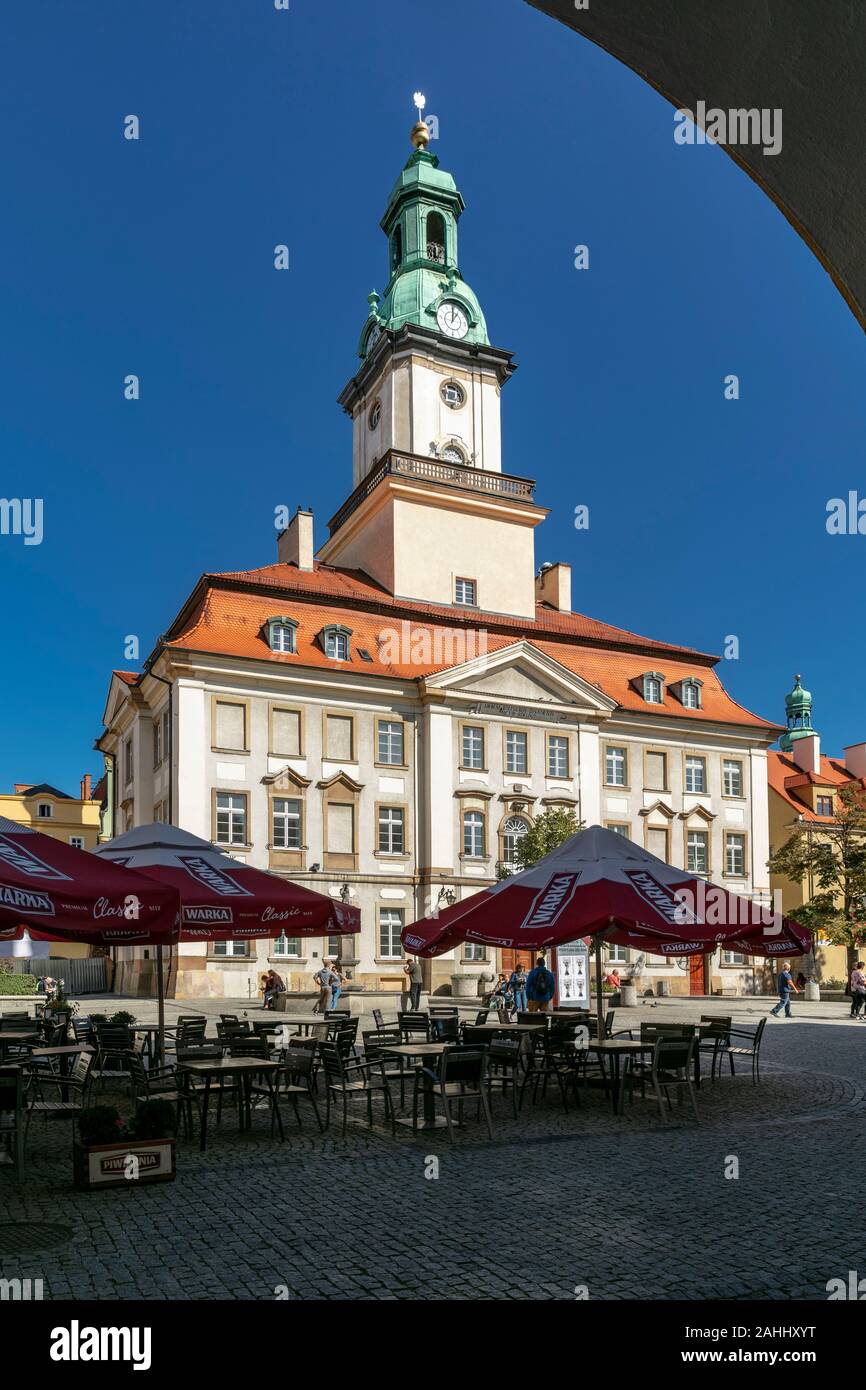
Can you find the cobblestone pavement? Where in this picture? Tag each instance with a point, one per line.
(628, 1207)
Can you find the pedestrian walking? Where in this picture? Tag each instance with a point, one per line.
(858, 990)
(786, 988)
(325, 979)
(540, 988)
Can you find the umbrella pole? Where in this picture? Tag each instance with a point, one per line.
(599, 1001)
(160, 1037)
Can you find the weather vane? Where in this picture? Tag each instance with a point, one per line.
(420, 101)
(420, 133)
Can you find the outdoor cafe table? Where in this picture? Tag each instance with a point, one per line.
(150, 1031)
(422, 1049)
(616, 1048)
(305, 1021)
(517, 1028)
(244, 1068)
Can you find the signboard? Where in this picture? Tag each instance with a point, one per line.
(572, 971)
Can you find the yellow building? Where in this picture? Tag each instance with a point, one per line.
(804, 785)
(74, 820)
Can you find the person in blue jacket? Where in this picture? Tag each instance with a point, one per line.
(540, 987)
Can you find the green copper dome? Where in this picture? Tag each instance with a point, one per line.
(425, 285)
(798, 711)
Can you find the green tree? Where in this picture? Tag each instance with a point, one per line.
(551, 829)
(830, 862)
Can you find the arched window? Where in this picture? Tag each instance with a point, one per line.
(512, 833)
(436, 237)
(397, 247)
(452, 453)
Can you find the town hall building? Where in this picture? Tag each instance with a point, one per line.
(382, 712)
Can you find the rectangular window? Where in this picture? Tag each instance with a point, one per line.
(127, 761)
(652, 690)
(516, 761)
(657, 772)
(287, 946)
(286, 733)
(44, 810)
(691, 695)
(157, 742)
(466, 592)
(339, 737)
(389, 745)
(557, 756)
(616, 767)
(390, 927)
(391, 830)
(619, 828)
(473, 950)
(735, 855)
(337, 646)
(231, 818)
(732, 958)
(230, 726)
(616, 955)
(166, 734)
(698, 852)
(824, 805)
(76, 841)
(341, 828)
(286, 828)
(160, 812)
(473, 834)
(473, 746)
(231, 948)
(732, 777)
(696, 774)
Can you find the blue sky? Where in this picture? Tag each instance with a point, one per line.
(261, 127)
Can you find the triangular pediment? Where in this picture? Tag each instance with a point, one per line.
(286, 779)
(520, 674)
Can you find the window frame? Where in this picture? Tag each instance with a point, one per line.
(688, 831)
(284, 623)
(525, 734)
(549, 736)
(277, 707)
(216, 793)
(734, 796)
(272, 804)
(399, 913)
(465, 853)
(465, 603)
(617, 748)
(484, 730)
(702, 759)
(329, 757)
(402, 810)
(336, 630)
(401, 723)
(652, 751)
(737, 835)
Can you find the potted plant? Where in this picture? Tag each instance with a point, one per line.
(121, 1019)
(111, 1151)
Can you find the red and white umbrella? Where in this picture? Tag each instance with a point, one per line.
(601, 884)
(223, 898)
(55, 892)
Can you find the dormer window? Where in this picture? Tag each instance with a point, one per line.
(690, 693)
(44, 810)
(282, 634)
(824, 805)
(653, 688)
(335, 641)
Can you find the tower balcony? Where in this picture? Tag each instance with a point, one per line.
(436, 474)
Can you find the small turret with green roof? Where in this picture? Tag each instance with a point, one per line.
(798, 716)
(425, 286)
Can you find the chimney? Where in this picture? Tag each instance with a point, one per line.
(553, 586)
(806, 753)
(85, 787)
(295, 544)
(855, 759)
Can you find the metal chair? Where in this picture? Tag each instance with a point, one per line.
(672, 1066)
(299, 1075)
(460, 1077)
(509, 1066)
(77, 1083)
(163, 1083)
(354, 1080)
(716, 1038)
(12, 1125)
(750, 1047)
(414, 1026)
(113, 1044)
(376, 1045)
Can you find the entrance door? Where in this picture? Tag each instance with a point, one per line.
(511, 959)
(697, 974)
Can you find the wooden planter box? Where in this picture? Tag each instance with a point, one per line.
(97, 1166)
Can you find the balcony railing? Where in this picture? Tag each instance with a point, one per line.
(431, 470)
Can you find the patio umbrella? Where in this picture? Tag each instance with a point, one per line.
(603, 885)
(55, 892)
(223, 898)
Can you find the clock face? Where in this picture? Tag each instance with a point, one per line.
(375, 335)
(452, 320)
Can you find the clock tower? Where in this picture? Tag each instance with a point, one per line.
(431, 505)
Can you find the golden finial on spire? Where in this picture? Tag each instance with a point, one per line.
(420, 132)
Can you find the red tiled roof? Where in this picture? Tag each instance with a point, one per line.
(128, 677)
(230, 610)
(784, 777)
